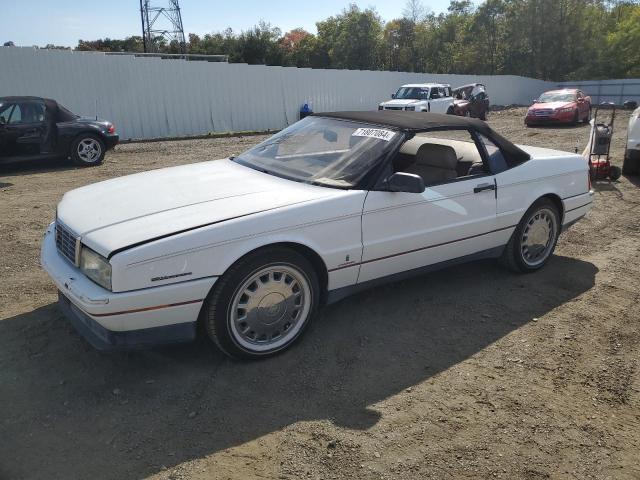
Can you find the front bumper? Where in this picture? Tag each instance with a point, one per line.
(101, 338)
(138, 318)
(559, 117)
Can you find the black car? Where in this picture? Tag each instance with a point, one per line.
(38, 128)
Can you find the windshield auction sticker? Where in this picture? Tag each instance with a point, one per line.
(378, 133)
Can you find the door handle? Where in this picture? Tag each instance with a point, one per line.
(484, 186)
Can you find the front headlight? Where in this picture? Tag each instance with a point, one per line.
(96, 267)
(410, 109)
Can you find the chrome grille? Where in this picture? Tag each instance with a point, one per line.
(394, 108)
(543, 113)
(67, 243)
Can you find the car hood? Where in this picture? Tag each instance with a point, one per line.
(551, 105)
(118, 213)
(401, 103)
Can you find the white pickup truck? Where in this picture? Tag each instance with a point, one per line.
(421, 97)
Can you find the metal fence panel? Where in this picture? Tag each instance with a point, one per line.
(151, 97)
(616, 91)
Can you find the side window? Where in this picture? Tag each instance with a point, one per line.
(497, 163)
(440, 156)
(5, 112)
(16, 115)
(434, 94)
(447, 91)
(31, 112)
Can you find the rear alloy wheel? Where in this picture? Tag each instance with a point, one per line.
(262, 304)
(87, 150)
(534, 239)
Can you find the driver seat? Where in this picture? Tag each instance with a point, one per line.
(435, 163)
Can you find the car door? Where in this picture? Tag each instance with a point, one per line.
(450, 220)
(8, 133)
(27, 126)
(435, 100)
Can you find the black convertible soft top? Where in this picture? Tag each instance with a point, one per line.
(412, 122)
(57, 112)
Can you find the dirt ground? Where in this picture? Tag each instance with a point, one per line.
(471, 372)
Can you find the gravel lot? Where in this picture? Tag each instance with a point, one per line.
(472, 372)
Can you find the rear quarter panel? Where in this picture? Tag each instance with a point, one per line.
(549, 172)
(68, 131)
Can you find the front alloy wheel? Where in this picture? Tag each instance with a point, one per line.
(270, 307)
(263, 304)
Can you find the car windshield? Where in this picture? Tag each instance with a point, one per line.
(412, 93)
(556, 97)
(322, 151)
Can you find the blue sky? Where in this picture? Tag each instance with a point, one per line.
(64, 22)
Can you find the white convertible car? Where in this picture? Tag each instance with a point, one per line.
(249, 247)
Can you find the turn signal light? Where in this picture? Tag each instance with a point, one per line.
(111, 129)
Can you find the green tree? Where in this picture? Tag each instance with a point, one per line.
(624, 43)
(352, 39)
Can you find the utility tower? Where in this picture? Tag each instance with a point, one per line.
(161, 21)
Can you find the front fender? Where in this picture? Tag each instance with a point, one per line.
(210, 251)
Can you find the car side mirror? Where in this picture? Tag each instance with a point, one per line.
(405, 182)
(393, 95)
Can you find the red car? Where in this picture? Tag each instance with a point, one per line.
(560, 106)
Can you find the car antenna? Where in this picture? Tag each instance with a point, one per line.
(96, 100)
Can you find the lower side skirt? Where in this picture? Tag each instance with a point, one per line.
(340, 293)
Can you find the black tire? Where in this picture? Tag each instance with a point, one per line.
(513, 257)
(631, 164)
(450, 111)
(92, 157)
(483, 116)
(614, 173)
(217, 314)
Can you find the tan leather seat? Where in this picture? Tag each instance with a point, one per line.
(435, 163)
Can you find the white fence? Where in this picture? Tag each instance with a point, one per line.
(151, 97)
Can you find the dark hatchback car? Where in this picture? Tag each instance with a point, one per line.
(34, 128)
(471, 101)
